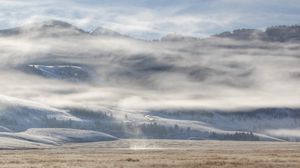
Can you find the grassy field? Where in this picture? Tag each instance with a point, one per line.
(152, 153)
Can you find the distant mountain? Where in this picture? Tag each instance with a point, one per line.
(243, 34)
(100, 31)
(177, 37)
(51, 28)
(55, 28)
(271, 34)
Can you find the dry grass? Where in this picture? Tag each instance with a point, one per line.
(188, 154)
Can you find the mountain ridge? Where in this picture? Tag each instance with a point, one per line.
(281, 33)
(54, 28)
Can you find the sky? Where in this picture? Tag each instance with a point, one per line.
(151, 19)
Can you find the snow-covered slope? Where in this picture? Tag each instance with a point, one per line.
(57, 79)
(18, 115)
(46, 137)
(62, 72)
(63, 135)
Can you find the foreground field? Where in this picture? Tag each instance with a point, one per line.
(152, 153)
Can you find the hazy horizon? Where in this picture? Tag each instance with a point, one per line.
(153, 19)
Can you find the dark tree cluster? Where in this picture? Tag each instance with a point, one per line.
(237, 136)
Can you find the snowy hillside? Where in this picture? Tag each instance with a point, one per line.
(45, 137)
(61, 84)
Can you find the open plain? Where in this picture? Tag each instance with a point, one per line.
(157, 153)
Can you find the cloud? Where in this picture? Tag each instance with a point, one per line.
(215, 74)
(138, 74)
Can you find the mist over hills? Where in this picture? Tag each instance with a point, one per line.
(53, 28)
(240, 85)
(271, 34)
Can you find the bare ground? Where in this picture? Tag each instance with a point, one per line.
(154, 153)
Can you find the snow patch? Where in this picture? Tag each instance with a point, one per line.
(47, 137)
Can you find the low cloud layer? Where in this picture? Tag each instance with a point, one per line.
(212, 73)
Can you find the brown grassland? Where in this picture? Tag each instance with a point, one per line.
(157, 153)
